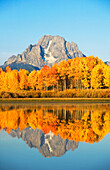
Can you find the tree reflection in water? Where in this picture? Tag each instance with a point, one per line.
(50, 127)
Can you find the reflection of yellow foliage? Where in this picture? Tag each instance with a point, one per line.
(89, 123)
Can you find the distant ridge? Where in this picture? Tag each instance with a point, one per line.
(19, 66)
(107, 63)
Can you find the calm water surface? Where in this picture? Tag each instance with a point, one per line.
(55, 136)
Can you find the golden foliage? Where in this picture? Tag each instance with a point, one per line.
(79, 73)
(89, 123)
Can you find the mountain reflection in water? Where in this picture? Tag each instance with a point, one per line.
(47, 144)
(58, 128)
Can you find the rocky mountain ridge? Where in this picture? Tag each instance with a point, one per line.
(48, 51)
(107, 63)
(19, 66)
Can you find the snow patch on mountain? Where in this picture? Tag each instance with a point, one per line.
(47, 50)
(50, 59)
(47, 54)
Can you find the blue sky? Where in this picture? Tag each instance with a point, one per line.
(85, 22)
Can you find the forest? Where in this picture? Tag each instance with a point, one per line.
(78, 77)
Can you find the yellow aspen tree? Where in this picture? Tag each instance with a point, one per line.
(8, 69)
(6, 81)
(97, 78)
(54, 76)
(23, 76)
(13, 83)
(78, 72)
(91, 62)
(63, 72)
(2, 77)
(71, 72)
(33, 80)
(42, 79)
(107, 76)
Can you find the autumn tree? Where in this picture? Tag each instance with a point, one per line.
(63, 73)
(85, 72)
(106, 73)
(43, 78)
(33, 79)
(23, 78)
(2, 77)
(54, 76)
(97, 77)
(13, 80)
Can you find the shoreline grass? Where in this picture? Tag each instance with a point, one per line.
(51, 100)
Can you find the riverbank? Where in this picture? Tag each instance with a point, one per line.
(55, 100)
(74, 94)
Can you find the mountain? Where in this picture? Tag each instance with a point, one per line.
(48, 144)
(107, 63)
(48, 51)
(19, 66)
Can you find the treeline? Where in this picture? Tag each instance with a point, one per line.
(79, 73)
